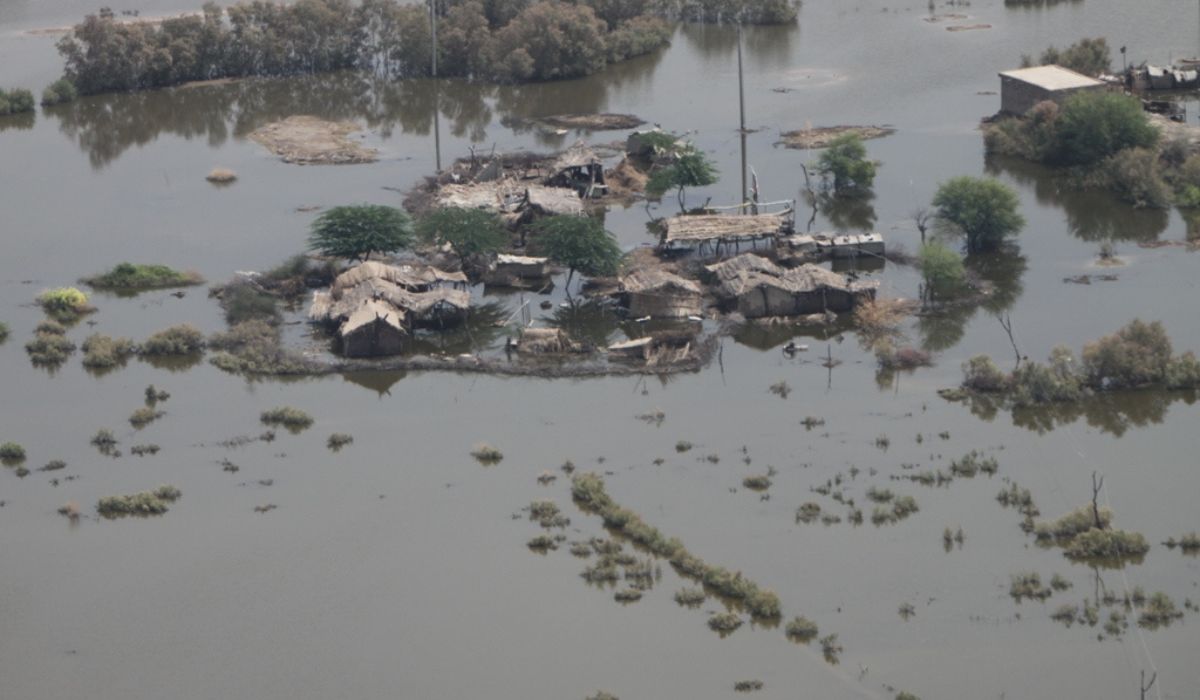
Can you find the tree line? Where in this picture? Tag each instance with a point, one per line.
(488, 40)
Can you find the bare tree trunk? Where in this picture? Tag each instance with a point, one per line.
(1096, 486)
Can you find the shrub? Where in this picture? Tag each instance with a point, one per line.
(64, 304)
(3, 331)
(1028, 585)
(59, 92)
(244, 302)
(101, 351)
(1092, 126)
(690, 597)
(254, 347)
(128, 276)
(1087, 56)
(486, 454)
(16, 101)
(293, 419)
(1072, 524)
(980, 373)
(339, 440)
(1133, 174)
(757, 482)
(984, 209)
(549, 41)
(12, 453)
(1160, 610)
(184, 339)
(104, 439)
(1136, 355)
(1034, 383)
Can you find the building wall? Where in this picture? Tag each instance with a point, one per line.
(664, 305)
(373, 340)
(1018, 97)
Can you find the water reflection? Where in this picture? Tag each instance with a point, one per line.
(767, 48)
(591, 322)
(1091, 215)
(847, 214)
(18, 122)
(1113, 413)
(379, 382)
(105, 126)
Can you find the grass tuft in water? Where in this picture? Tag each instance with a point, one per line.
(780, 389)
(973, 463)
(132, 277)
(1187, 543)
(757, 482)
(1027, 585)
(183, 339)
(748, 686)
(1159, 611)
(144, 416)
(542, 543)
(628, 595)
(683, 446)
(11, 453)
(1106, 544)
(65, 304)
(690, 597)
(143, 450)
(48, 348)
(486, 454)
(291, 418)
(104, 352)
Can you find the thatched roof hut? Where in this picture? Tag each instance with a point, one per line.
(425, 295)
(375, 328)
(757, 287)
(658, 293)
(414, 278)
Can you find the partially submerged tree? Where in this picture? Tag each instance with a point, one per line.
(1094, 125)
(358, 230)
(1087, 56)
(845, 167)
(942, 271)
(580, 243)
(468, 232)
(690, 169)
(984, 209)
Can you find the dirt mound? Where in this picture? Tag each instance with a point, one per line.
(967, 27)
(821, 136)
(591, 122)
(626, 180)
(311, 141)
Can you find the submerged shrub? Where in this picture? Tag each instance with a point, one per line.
(12, 453)
(973, 462)
(1068, 526)
(1028, 584)
(15, 101)
(142, 503)
(724, 623)
(244, 302)
(801, 629)
(183, 339)
(1183, 372)
(1160, 610)
(690, 597)
(144, 416)
(293, 419)
(49, 349)
(486, 454)
(3, 332)
(1106, 544)
(1135, 355)
(339, 440)
(102, 351)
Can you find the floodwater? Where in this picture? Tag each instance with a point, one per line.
(396, 567)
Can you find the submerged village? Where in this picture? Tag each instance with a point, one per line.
(654, 349)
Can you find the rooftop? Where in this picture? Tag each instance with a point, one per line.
(1051, 77)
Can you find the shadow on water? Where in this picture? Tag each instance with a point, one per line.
(1091, 215)
(769, 336)
(1112, 413)
(105, 126)
(379, 382)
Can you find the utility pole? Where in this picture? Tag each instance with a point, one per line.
(437, 130)
(741, 111)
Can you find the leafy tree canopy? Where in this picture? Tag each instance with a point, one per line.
(845, 167)
(983, 208)
(468, 232)
(358, 230)
(580, 243)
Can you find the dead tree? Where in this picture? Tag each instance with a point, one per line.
(922, 216)
(1096, 486)
(1147, 686)
(1006, 323)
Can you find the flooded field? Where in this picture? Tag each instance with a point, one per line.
(399, 565)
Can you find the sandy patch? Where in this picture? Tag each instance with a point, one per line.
(306, 140)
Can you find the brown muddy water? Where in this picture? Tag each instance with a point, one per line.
(396, 568)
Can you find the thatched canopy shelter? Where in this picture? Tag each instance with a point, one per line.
(546, 341)
(658, 293)
(423, 295)
(717, 230)
(517, 271)
(580, 169)
(415, 278)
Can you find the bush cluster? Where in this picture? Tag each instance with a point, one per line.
(17, 101)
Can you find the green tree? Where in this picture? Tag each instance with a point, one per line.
(845, 167)
(984, 209)
(356, 231)
(550, 41)
(1094, 125)
(1087, 56)
(942, 270)
(580, 243)
(468, 232)
(690, 169)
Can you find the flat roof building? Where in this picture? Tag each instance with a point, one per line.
(1021, 89)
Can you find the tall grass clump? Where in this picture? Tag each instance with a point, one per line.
(801, 629)
(64, 304)
(255, 347)
(3, 331)
(486, 454)
(245, 302)
(182, 339)
(135, 277)
(291, 418)
(144, 416)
